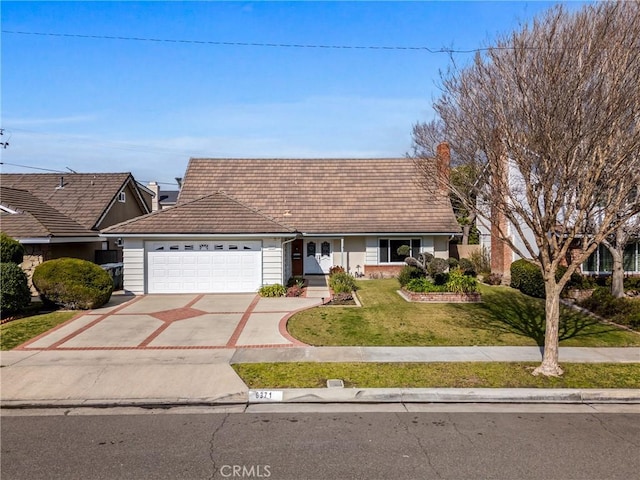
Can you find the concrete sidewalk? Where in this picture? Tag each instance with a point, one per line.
(167, 377)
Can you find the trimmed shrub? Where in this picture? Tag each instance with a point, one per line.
(11, 251)
(527, 277)
(72, 283)
(453, 263)
(14, 292)
(467, 267)
(275, 290)
(458, 282)
(437, 266)
(342, 282)
(409, 273)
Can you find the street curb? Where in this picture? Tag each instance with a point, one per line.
(445, 395)
(359, 396)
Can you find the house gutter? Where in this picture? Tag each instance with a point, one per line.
(196, 235)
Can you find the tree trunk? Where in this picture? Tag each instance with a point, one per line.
(617, 252)
(617, 276)
(550, 366)
(466, 229)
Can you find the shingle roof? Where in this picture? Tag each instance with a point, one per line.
(34, 218)
(327, 195)
(214, 214)
(84, 198)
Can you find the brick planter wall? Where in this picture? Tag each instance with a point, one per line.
(442, 297)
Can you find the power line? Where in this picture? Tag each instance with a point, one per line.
(256, 44)
(73, 171)
(34, 168)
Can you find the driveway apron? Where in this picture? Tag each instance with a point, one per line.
(191, 321)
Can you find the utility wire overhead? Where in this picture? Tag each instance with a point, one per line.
(256, 44)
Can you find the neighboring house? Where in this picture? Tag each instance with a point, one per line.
(243, 223)
(60, 215)
(162, 198)
(494, 228)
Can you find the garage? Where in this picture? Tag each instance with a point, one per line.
(204, 266)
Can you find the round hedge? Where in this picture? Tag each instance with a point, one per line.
(73, 283)
(11, 251)
(14, 291)
(527, 277)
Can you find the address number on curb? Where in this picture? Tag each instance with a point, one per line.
(265, 395)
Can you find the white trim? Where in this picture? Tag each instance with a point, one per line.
(381, 234)
(122, 196)
(56, 240)
(149, 236)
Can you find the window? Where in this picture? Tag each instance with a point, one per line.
(601, 260)
(122, 197)
(388, 249)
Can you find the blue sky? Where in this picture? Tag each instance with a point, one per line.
(105, 105)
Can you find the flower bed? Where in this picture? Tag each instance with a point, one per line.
(441, 297)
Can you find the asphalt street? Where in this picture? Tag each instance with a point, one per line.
(536, 442)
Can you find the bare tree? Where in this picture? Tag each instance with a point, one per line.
(616, 243)
(426, 139)
(550, 117)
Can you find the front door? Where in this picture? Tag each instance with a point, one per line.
(318, 255)
(297, 263)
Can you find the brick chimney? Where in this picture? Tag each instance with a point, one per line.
(443, 166)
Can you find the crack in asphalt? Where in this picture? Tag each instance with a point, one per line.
(617, 435)
(423, 447)
(212, 442)
(455, 427)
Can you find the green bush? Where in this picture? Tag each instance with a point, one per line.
(632, 283)
(73, 283)
(14, 291)
(11, 251)
(527, 277)
(275, 290)
(424, 285)
(437, 266)
(297, 281)
(408, 273)
(467, 267)
(342, 282)
(458, 282)
(453, 262)
(623, 311)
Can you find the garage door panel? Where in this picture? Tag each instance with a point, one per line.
(195, 271)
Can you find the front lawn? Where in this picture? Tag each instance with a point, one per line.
(17, 332)
(505, 317)
(436, 375)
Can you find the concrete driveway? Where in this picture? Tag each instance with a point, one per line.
(193, 321)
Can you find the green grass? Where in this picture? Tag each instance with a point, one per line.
(17, 332)
(505, 317)
(436, 375)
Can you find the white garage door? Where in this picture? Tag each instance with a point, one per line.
(204, 267)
